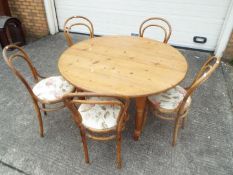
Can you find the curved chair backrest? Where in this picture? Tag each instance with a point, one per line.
(73, 100)
(204, 73)
(159, 23)
(18, 52)
(68, 25)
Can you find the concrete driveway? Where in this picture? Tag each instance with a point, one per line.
(204, 147)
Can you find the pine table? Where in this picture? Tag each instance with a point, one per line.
(126, 66)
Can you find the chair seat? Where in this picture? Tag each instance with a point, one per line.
(99, 117)
(169, 101)
(52, 88)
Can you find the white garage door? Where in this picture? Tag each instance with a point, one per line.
(188, 18)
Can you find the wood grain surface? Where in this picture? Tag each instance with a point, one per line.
(123, 65)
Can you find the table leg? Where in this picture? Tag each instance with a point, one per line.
(140, 107)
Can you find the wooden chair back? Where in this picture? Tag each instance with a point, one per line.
(69, 24)
(16, 53)
(161, 23)
(204, 73)
(73, 100)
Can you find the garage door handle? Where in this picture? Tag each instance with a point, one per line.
(199, 39)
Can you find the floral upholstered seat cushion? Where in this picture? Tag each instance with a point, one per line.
(52, 88)
(170, 99)
(99, 117)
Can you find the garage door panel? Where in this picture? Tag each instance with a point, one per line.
(178, 23)
(188, 17)
(138, 3)
(194, 27)
(180, 37)
(212, 12)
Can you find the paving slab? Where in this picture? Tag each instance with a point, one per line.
(9, 170)
(204, 147)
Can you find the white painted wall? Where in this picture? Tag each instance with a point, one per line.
(226, 32)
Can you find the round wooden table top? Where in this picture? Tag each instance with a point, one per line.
(123, 65)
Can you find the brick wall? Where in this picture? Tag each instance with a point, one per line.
(228, 54)
(32, 15)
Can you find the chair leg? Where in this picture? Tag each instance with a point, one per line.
(83, 135)
(41, 124)
(119, 161)
(183, 122)
(184, 119)
(39, 119)
(175, 132)
(43, 105)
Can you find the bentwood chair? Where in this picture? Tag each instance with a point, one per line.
(99, 117)
(160, 23)
(77, 21)
(45, 90)
(174, 104)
